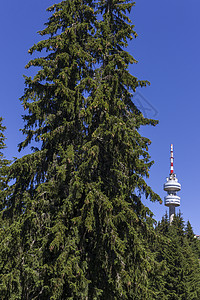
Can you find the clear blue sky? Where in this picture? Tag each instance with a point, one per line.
(168, 51)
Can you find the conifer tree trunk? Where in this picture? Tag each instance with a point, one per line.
(77, 226)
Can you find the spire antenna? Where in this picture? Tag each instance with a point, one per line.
(172, 160)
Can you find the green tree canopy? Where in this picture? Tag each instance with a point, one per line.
(182, 277)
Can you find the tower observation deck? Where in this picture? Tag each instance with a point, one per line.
(172, 186)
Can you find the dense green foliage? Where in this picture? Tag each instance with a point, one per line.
(179, 250)
(4, 169)
(3, 161)
(73, 225)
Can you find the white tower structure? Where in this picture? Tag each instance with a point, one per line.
(172, 186)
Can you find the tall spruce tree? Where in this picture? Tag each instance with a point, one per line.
(77, 226)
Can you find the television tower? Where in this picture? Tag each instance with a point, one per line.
(172, 186)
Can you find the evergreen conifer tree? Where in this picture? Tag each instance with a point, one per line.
(193, 242)
(3, 161)
(4, 165)
(4, 184)
(189, 232)
(76, 226)
(182, 279)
